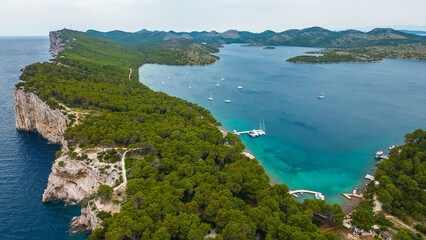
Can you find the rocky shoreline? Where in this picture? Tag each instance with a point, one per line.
(72, 179)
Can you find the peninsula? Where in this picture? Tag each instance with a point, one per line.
(145, 165)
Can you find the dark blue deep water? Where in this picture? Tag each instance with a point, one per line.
(26, 158)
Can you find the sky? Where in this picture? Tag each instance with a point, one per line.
(38, 17)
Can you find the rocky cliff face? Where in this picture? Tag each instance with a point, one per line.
(57, 43)
(32, 114)
(88, 219)
(72, 180)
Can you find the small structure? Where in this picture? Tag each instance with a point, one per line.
(369, 177)
(353, 194)
(386, 235)
(347, 225)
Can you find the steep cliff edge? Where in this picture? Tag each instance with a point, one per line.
(76, 176)
(73, 180)
(57, 43)
(32, 114)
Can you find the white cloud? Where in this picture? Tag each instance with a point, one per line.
(37, 17)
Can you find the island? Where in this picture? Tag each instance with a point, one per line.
(339, 46)
(145, 165)
(269, 48)
(364, 54)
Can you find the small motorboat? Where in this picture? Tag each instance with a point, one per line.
(378, 154)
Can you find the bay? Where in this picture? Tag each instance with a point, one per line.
(325, 145)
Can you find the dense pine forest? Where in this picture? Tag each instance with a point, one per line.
(188, 179)
(402, 179)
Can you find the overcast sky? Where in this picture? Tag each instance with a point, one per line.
(38, 17)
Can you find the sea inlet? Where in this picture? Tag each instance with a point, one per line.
(325, 145)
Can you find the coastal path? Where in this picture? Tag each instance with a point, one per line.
(123, 168)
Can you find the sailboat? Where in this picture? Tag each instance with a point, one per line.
(222, 78)
(228, 101)
(217, 84)
(211, 97)
(240, 87)
(321, 96)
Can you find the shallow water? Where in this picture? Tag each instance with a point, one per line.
(323, 145)
(26, 158)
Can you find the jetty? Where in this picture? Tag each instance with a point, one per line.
(303, 191)
(369, 177)
(318, 195)
(254, 132)
(353, 194)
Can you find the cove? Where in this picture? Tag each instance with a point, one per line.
(325, 145)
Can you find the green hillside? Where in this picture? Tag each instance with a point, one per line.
(190, 179)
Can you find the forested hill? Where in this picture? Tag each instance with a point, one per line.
(188, 179)
(309, 37)
(402, 179)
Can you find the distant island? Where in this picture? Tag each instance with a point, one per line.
(269, 48)
(342, 46)
(364, 54)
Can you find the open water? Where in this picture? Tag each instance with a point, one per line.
(26, 158)
(322, 145)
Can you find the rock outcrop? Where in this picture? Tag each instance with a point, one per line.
(72, 180)
(57, 43)
(88, 219)
(32, 114)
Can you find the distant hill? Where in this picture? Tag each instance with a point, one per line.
(422, 33)
(308, 37)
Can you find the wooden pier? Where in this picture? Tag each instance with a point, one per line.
(303, 191)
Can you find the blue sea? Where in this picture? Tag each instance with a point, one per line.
(325, 145)
(26, 158)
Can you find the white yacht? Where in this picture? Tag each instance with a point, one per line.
(211, 96)
(217, 84)
(222, 78)
(321, 96)
(240, 87)
(253, 133)
(319, 196)
(391, 147)
(295, 195)
(227, 101)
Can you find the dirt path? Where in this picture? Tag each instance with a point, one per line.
(401, 224)
(123, 170)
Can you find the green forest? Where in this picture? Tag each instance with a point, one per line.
(402, 179)
(364, 54)
(190, 179)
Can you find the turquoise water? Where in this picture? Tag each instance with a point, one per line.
(323, 145)
(26, 158)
